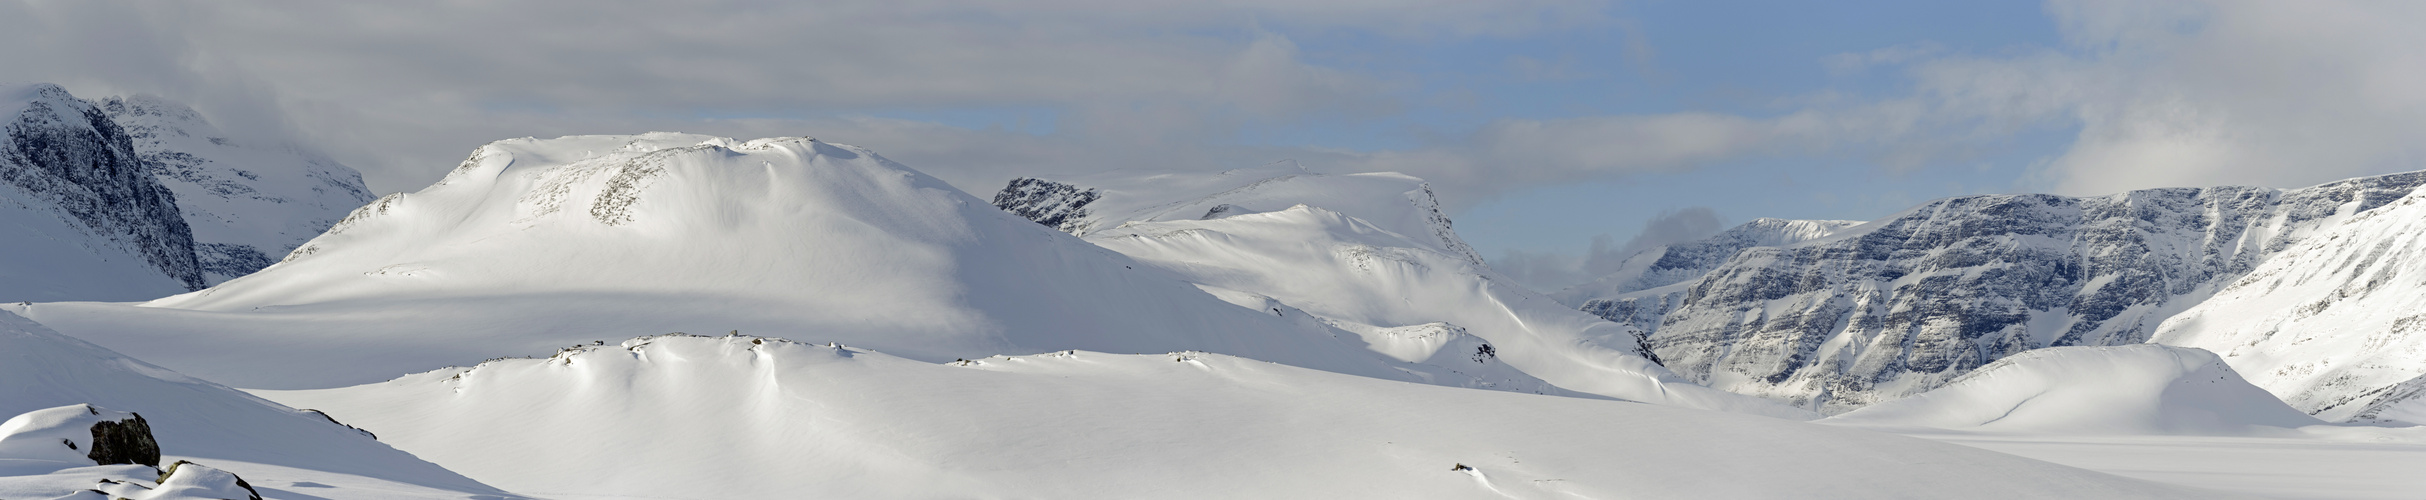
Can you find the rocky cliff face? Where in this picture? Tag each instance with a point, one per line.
(1653, 282)
(1902, 305)
(66, 156)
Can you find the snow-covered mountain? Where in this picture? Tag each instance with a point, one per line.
(740, 417)
(247, 204)
(531, 245)
(84, 218)
(281, 451)
(1408, 286)
(2334, 324)
(1902, 305)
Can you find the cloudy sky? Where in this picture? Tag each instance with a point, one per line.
(1562, 132)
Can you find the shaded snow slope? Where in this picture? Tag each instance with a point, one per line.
(731, 417)
(265, 442)
(2336, 324)
(1083, 205)
(80, 216)
(1902, 305)
(2130, 389)
(1364, 278)
(247, 204)
(534, 244)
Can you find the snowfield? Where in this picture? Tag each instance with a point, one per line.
(741, 416)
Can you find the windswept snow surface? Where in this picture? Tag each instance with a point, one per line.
(1367, 279)
(273, 446)
(737, 416)
(532, 245)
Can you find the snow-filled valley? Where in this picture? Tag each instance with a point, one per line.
(672, 315)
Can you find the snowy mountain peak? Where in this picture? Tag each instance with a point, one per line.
(246, 203)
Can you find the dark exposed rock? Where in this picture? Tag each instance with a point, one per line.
(1056, 205)
(124, 442)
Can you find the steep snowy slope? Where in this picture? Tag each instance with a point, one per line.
(742, 417)
(2336, 324)
(1082, 205)
(1383, 285)
(536, 244)
(1902, 305)
(1651, 283)
(247, 204)
(273, 446)
(2132, 389)
(80, 216)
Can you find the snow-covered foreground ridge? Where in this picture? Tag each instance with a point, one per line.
(273, 446)
(737, 416)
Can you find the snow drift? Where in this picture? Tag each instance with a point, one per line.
(739, 416)
(2131, 389)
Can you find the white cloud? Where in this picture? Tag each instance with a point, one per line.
(401, 89)
(2170, 93)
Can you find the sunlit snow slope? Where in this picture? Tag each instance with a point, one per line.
(269, 444)
(2336, 324)
(532, 245)
(739, 417)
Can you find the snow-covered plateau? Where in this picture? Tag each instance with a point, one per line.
(858, 329)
